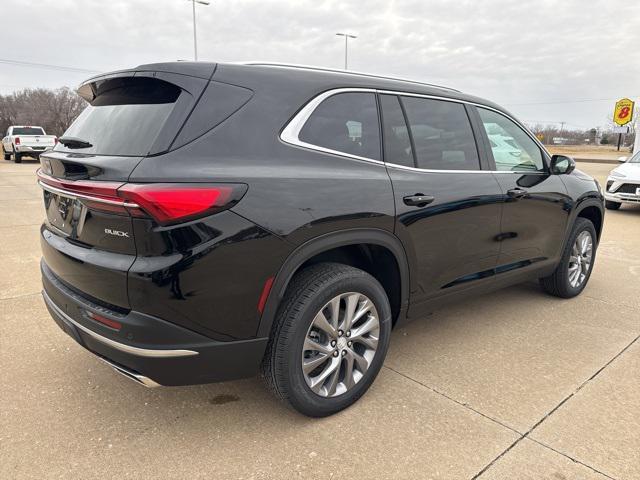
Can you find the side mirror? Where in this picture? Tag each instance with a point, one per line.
(622, 159)
(562, 165)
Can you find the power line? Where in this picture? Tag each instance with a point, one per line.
(565, 101)
(47, 66)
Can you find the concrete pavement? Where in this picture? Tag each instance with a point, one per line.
(512, 385)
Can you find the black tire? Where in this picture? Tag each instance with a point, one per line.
(7, 156)
(612, 205)
(17, 157)
(558, 283)
(306, 295)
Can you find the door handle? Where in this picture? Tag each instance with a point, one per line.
(517, 193)
(418, 200)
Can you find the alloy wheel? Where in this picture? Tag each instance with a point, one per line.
(340, 344)
(581, 259)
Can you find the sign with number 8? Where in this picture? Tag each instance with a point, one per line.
(623, 113)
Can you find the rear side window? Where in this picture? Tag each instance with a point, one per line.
(397, 143)
(441, 134)
(346, 123)
(126, 119)
(28, 131)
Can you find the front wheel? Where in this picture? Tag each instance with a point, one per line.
(330, 339)
(7, 156)
(573, 271)
(612, 205)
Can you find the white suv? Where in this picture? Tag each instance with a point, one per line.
(623, 184)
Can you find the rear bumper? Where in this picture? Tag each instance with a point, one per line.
(146, 349)
(29, 149)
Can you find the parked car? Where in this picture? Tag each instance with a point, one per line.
(623, 183)
(207, 222)
(22, 141)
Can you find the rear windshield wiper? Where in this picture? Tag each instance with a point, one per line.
(73, 142)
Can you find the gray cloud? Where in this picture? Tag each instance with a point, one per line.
(512, 52)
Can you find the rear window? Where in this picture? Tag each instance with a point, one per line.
(126, 119)
(27, 131)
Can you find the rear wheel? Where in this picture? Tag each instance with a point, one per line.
(573, 271)
(612, 205)
(17, 157)
(330, 339)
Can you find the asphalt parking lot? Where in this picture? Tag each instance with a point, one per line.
(512, 385)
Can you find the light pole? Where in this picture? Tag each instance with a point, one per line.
(195, 38)
(346, 36)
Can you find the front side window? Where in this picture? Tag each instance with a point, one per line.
(442, 134)
(512, 148)
(346, 123)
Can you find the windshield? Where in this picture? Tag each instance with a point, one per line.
(124, 120)
(27, 131)
(635, 158)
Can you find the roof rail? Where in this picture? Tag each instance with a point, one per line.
(346, 72)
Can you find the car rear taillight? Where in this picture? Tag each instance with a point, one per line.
(166, 203)
(55, 141)
(17, 141)
(169, 203)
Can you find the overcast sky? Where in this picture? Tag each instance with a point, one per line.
(526, 55)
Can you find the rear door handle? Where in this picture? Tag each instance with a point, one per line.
(418, 200)
(517, 193)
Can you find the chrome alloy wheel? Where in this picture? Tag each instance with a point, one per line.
(340, 344)
(580, 260)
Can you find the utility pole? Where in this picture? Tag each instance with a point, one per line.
(195, 36)
(346, 36)
(636, 144)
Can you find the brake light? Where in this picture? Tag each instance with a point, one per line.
(166, 203)
(170, 203)
(55, 141)
(17, 141)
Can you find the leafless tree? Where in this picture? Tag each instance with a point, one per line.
(54, 110)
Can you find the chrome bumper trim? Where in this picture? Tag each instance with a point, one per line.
(141, 352)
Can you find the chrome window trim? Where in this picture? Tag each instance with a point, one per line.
(290, 133)
(140, 352)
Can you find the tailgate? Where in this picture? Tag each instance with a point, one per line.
(87, 236)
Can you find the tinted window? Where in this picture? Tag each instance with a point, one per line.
(442, 134)
(512, 148)
(345, 122)
(124, 120)
(397, 144)
(28, 131)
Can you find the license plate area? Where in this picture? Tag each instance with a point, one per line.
(66, 214)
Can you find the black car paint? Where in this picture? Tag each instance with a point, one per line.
(205, 278)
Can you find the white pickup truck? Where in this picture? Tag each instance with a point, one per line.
(23, 140)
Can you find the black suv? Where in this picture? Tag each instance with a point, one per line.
(207, 222)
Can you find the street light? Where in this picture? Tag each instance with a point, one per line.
(195, 39)
(346, 36)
